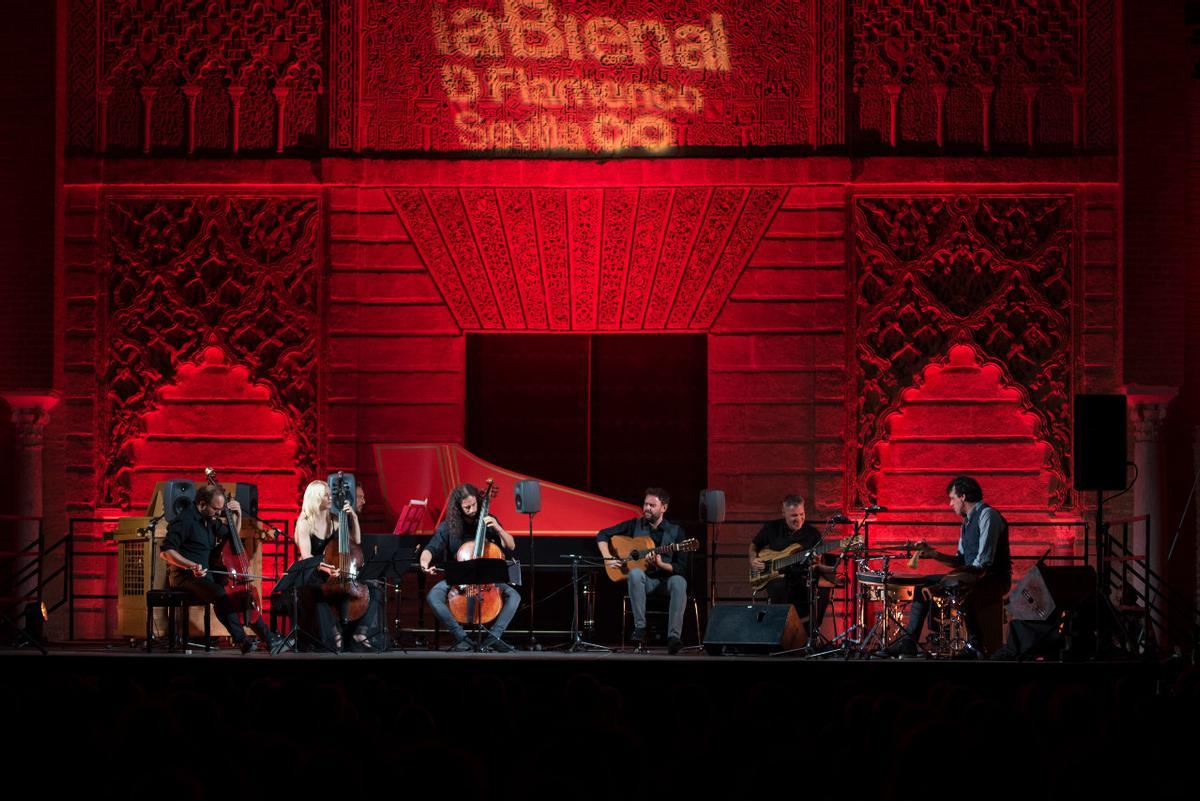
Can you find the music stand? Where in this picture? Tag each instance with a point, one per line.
(477, 571)
(298, 575)
(410, 517)
(386, 568)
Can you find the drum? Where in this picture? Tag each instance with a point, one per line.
(875, 586)
(959, 581)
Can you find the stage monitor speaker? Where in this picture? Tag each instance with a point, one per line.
(177, 495)
(712, 506)
(1100, 431)
(1047, 590)
(528, 496)
(753, 629)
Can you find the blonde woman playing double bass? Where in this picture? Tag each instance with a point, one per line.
(316, 528)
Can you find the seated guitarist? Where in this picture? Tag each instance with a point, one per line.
(982, 560)
(778, 535)
(665, 574)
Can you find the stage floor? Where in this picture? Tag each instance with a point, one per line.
(698, 724)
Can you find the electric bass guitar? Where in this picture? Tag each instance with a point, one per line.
(776, 562)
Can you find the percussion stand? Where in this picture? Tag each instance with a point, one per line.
(885, 616)
(862, 534)
(843, 643)
(815, 638)
(881, 617)
(810, 645)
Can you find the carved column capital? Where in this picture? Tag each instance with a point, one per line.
(30, 413)
(1148, 408)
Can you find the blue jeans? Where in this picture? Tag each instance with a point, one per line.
(640, 585)
(437, 602)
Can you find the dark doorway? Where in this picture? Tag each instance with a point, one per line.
(607, 413)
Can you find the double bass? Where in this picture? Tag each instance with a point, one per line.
(241, 589)
(343, 590)
(477, 604)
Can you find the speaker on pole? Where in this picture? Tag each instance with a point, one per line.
(753, 629)
(1100, 454)
(712, 506)
(528, 496)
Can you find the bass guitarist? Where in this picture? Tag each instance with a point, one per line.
(665, 573)
(778, 536)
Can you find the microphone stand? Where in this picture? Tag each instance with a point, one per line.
(534, 645)
(148, 530)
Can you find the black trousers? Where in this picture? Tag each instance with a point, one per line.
(981, 612)
(793, 589)
(206, 590)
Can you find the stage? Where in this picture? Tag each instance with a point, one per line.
(911, 278)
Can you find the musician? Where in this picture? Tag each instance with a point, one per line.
(778, 535)
(982, 561)
(665, 574)
(316, 528)
(192, 540)
(459, 526)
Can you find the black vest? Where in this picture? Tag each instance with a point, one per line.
(1002, 560)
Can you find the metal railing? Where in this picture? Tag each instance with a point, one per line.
(1144, 593)
(22, 566)
(77, 546)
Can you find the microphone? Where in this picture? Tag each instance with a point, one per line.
(151, 524)
(875, 508)
(839, 518)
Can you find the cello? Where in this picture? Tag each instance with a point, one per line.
(242, 590)
(477, 604)
(343, 590)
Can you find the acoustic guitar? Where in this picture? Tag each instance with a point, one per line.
(632, 552)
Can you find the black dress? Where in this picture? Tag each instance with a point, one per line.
(319, 623)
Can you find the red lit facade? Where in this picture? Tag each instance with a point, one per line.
(910, 233)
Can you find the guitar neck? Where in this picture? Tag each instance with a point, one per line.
(643, 554)
(820, 549)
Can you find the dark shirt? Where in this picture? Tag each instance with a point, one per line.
(194, 538)
(776, 535)
(443, 545)
(667, 533)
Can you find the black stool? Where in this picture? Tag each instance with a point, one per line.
(176, 602)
